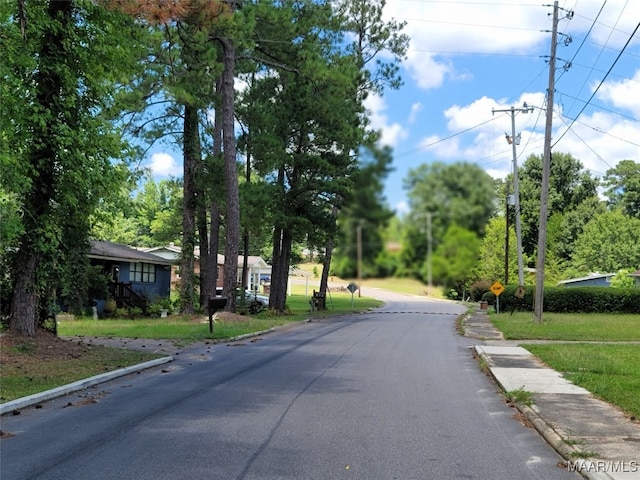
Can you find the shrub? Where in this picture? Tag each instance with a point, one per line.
(452, 294)
(488, 297)
(575, 299)
(478, 289)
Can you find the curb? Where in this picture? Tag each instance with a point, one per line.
(24, 402)
(553, 438)
(557, 442)
(36, 398)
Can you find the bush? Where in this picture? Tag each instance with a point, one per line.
(452, 294)
(574, 299)
(489, 297)
(478, 289)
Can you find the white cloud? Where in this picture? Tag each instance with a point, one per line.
(416, 108)
(392, 133)
(162, 164)
(439, 31)
(623, 94)
(614, 25)
(426, 72)
(402, 207)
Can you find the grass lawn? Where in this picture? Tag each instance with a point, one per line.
(594, 361)
(35, 365)
(569, 326)
(409, 286)
(194, 328)
(611, 372)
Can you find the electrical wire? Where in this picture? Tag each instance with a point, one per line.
(584, 39)
(421, 148)
(593, 64)
(599, 85)
(586, 144)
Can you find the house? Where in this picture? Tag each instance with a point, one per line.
(597, 280)
(136, 278)
(259, 271)
(591, 280)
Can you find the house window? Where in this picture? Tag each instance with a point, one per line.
(142, 272)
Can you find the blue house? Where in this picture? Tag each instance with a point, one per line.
(592, 280)
(136, 278)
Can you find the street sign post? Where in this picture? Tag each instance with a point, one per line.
(497, 288)
(352, 287)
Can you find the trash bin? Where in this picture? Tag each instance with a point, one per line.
(484, 305)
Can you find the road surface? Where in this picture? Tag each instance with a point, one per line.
(391, 394)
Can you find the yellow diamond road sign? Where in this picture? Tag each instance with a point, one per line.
(497, 289)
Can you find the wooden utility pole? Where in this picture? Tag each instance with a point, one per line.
(359, 256)
(430, 248)
(506, 235)
(546, 167)
(514, 140)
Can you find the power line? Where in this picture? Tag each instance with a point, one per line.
(424, 147)
(600, 84)
(584, 40)
(586, 144)
(593, 64)
(600, 107)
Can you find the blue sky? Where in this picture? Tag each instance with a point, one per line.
(469, 57)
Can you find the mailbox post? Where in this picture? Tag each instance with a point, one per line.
(215, 304)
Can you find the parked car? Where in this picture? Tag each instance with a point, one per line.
(249, 297)
(263, 300)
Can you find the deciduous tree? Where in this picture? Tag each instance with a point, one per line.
(623, 187)
(63, 62)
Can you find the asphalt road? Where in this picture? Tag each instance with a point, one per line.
(393, 394)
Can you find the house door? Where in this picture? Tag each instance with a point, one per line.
(115, 273)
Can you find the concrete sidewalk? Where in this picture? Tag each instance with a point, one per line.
(594, 437)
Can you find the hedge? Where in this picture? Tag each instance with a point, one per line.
(572, 299)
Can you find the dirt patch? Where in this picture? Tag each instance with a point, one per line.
(44, 346)
(232, 317)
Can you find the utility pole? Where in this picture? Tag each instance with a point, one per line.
(430, 215)
(546, 168)
(359, 256)
(514, 140)
(506, 234)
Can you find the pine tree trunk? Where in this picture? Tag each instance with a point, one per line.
(232, 223)
(280, 271)
(203, 242)
(326, 267)
(214, 205)
(328, 255)
(24, 301)
(275, 267)
(191, 151)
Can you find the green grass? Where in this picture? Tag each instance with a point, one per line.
(521, 396)
(569, 327)
(609, 371)
(191, 329)
(29, 375)
(408, 286)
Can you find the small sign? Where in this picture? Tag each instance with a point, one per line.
(352, 287)
(520, 291)
(497, 289)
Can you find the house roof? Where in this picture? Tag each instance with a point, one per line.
(173, 251)
(102, 250)
(591, 276)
